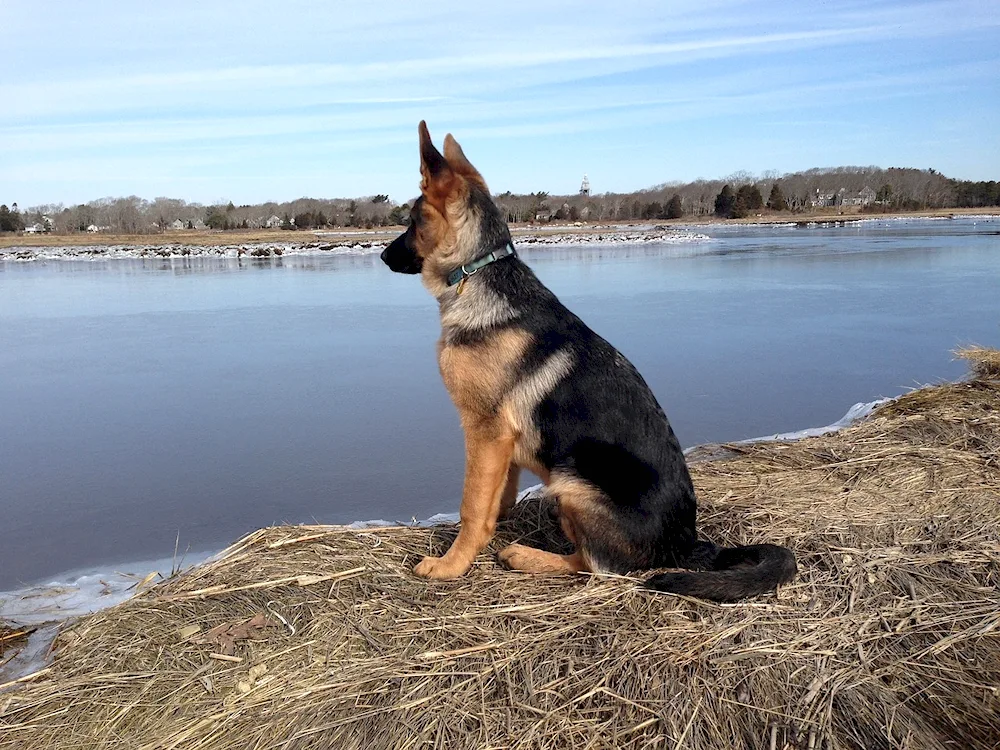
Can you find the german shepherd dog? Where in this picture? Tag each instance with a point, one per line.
(536, 388)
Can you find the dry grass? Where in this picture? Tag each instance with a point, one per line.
(319, 637)
(10, 638)
(984, 363)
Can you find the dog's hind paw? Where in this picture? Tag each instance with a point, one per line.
(531, 560)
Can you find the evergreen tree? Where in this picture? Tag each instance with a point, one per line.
(652, 210)
(776, 200)
(11, 219)
(674, 208)
(725, 202)
(748, 198)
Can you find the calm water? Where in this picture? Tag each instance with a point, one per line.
(140, 400)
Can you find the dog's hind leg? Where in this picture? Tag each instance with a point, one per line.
(572, 498)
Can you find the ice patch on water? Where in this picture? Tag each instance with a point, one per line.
(603, 239)
(183, 252)
(45, 605)
(632, 235)
(33, 656)
(85, 591)
(856, 412)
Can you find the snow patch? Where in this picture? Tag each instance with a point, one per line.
(637, 235)
(856, 412)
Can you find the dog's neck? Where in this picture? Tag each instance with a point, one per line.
(449, 280)
(461, 274)
(471, 303)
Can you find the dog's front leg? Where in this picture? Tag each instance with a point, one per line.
(487, 463)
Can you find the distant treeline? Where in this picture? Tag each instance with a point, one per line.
(864, 189)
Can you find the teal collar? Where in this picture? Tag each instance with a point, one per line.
(468, 269)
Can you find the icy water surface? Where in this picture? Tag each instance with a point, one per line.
(141, 400)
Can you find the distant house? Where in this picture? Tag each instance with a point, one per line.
(93, 228)
(543, 214)
(273, 223)
(863, 197)
(177, 224)
(821, 198)
(45, 225)
(199, 224)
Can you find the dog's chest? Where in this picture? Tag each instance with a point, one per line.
(474, 386)
(480, 375)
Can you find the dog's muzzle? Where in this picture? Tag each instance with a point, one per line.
(400, 258)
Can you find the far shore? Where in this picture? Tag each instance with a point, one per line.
(351, 235)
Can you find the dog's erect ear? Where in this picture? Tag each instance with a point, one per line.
(437, 177)
(458, 161)
(432, 164)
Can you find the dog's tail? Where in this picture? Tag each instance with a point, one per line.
(725, 574)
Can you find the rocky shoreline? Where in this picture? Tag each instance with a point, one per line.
(340, 245)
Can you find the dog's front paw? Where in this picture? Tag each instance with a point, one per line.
(439, 568)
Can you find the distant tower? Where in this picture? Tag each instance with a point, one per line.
(585, 186)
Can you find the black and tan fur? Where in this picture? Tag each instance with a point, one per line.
(537, 389)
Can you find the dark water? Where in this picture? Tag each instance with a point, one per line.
(142, 399)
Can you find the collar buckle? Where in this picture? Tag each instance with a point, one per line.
(463, 272)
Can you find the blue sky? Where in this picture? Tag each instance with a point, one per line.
(252, 101)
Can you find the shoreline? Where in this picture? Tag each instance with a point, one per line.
(271, 243)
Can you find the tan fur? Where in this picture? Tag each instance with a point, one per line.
(477, 377)
(487, 464)
(458, 161)
(582, 504)
(451, 239)
(531, 560)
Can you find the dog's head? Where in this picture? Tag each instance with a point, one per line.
(452, 222)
